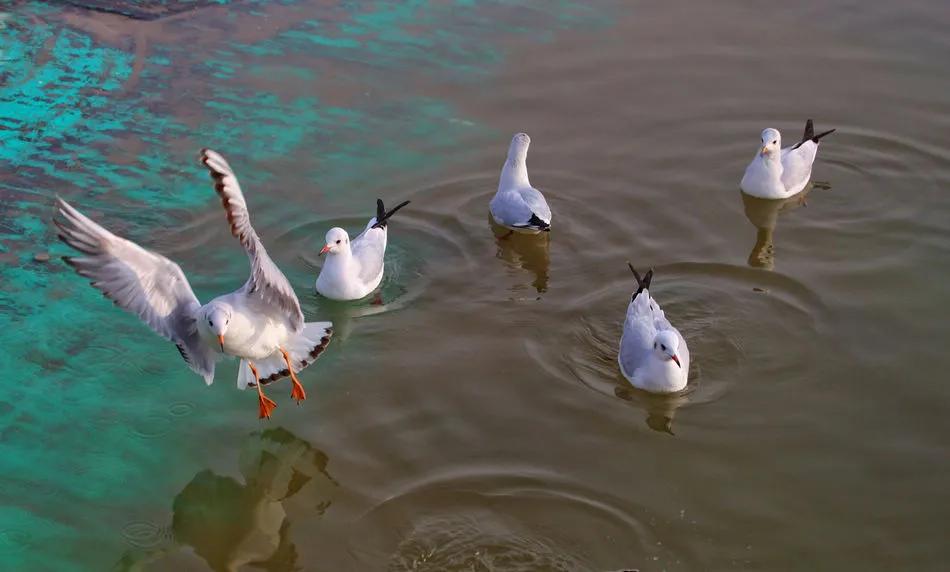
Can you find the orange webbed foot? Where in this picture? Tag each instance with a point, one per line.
(297, 393)
(266, 406)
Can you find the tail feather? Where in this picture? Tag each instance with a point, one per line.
(643, 283)
(304, 349)
(382, 215)
(810, 134)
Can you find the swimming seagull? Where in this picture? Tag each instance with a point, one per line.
(517, 205)
(777, 173)
(354, 269)
(261, 323)
(653, 354)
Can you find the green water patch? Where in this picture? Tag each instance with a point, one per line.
(104, 419)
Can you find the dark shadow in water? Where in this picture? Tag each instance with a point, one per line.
(230, 524)
(660, 408)
(763, 214)
(529, 251)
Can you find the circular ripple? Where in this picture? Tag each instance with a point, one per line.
(490, 520)
(144, 534)
(181, 409)
(151, 426)
(738, 322)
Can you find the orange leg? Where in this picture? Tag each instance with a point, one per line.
(297, 393)
(265, 404)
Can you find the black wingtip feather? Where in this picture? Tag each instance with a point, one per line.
(383, 216)
(809, 134)
(643, 283)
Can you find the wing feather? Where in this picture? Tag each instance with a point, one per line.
(145, 283)
(266, 279)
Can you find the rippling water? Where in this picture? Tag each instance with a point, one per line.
(473, 417)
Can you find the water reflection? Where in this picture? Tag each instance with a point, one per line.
(529, 251)
(660, 409)
(230, 524)
(763, 214)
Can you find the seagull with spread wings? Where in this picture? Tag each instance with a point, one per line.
(261, 322)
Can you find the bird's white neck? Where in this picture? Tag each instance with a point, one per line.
(515, 172)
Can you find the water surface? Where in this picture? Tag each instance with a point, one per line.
(476, 419)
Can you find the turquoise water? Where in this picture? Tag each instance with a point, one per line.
(109, 112)
(475, 419)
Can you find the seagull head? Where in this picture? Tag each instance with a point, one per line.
(217, 317)
(771, 143)
(519, 146)
(665, 346)
(337, 241)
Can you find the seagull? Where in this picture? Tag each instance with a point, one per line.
(653, 354)
(261, 323)
(354, 269)
(517, 205)
(777, 173)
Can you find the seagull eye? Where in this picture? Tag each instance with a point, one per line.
(211, 323)
(662, 347)
(774, 142)
(338, 242)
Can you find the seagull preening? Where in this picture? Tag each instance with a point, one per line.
(354, 269)
(777, 173)
(653, 354)
(261, 323)
(517, 205)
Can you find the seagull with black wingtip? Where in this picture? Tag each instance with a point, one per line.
(517, 205)
(261, 322)
(653, 354)
(355, 268)
(777, 173)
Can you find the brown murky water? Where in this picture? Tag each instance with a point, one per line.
(477, 420)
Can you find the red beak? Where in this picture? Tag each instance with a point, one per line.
(221, 341)
(325, 250)
(677, 360)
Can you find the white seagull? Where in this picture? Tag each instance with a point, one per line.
(354, 269)
(777, 173)
(261, 323)
(517, 205)
(653, 354)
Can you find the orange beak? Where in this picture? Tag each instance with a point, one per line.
(677, 360)
(765, 151)
(325, 250)
(221, 341)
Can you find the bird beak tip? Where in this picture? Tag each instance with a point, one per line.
(221, 342)
(677, 360)
(325, 250)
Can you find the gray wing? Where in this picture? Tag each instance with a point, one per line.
(369, 248)
(145, 283)
(536, 203)
(797, 163)
(639, 331)
(266, 279)
(515, 208)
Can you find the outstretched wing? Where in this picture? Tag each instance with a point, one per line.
(147, 284)
(266, 279)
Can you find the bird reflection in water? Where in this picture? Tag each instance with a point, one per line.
(660, 408)
(763, 214)
(230, 524)
(529, 251)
